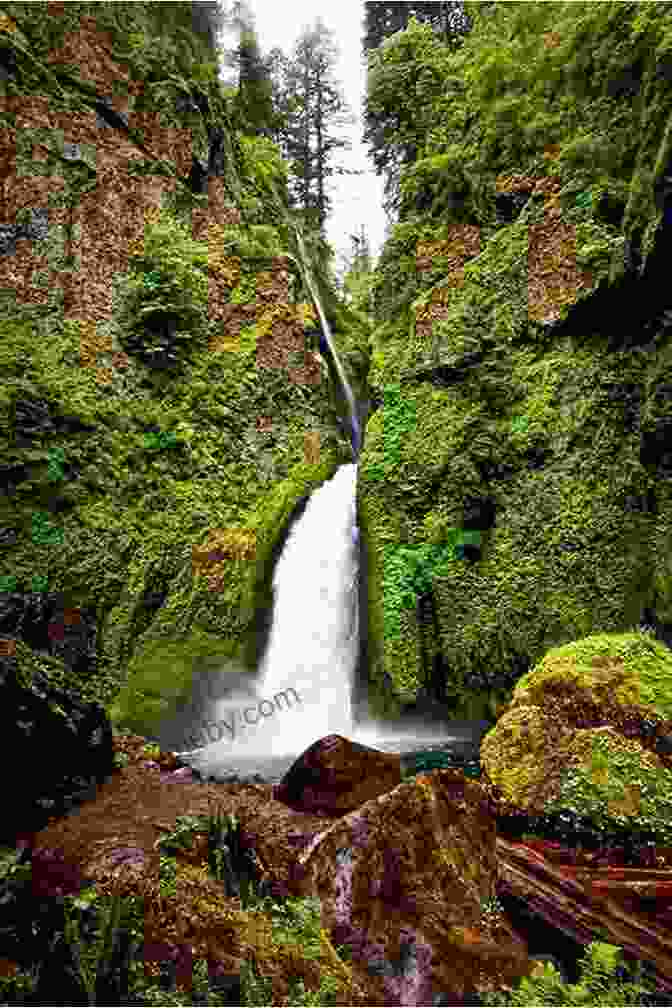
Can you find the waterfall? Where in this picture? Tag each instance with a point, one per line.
(355, 433)
(303, 690)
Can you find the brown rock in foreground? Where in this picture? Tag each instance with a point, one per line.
(335, 776)
(404, 881)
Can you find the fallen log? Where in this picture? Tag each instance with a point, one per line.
(628, 907)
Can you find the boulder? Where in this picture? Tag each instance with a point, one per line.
(59, 747)
(335, 776)
(405, 881)
(585, 738)
(586, 731)
(111, 844)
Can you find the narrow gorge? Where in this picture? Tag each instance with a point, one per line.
(336, 614)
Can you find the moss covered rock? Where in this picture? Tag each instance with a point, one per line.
(542, 757)
(163, 409)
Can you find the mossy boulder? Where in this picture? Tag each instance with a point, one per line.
(544, 759)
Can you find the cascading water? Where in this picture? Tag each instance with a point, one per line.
(314, 637)
(313, 643)
(355, 434)
(303, 690)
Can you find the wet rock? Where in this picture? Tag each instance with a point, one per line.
(60, 748)
(48, 626)
(335, 776)
(402, 881)
(583, 726)
(585, 739)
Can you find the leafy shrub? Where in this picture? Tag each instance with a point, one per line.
(230, 860)
(259, 241)
(602, 984)
(163, 299)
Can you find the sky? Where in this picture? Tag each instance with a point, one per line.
(357, 199)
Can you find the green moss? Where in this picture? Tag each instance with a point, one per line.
(556, 90)
(605, 777)
(161, 677)
(640, 666)
(620, 783)
(93, 687)
(245, 291)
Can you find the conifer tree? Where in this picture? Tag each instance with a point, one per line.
(310, 109)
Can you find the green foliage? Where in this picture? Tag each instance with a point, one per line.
(229, 861)
(597, 986)
(159, 442)
(163, 299)
(436, 184)
(568, 74)
(399, 419)
(299, 921)
(43, 533)
(256, 988)
(409, 572)
(297, 924)
(245, 291)
(259, 241)
(56, 460)
(167, 875)
(407, 76)
(98, 963)
(265, 173)
(155, 994)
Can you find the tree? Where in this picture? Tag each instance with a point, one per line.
(309, 109)
(358, 278)
(254, 87)
(448, 20)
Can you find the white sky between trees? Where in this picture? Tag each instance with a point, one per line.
(357, 199)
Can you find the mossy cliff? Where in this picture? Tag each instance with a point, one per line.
(514, 490)
(162, 406)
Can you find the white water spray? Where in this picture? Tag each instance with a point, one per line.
(313, 644)
(314, 637)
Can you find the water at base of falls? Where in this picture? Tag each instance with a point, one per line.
(303, 690)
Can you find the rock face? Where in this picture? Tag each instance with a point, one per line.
(125, 568)
(532, 358)
(59, 748)
(334, 776)
(588, 729)
(404, 880)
